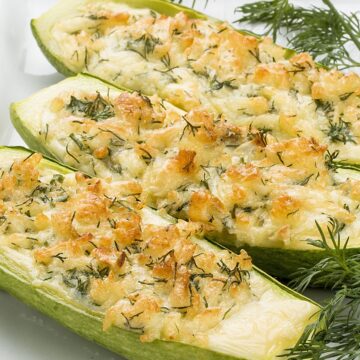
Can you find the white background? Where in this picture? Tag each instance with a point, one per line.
(24, 333)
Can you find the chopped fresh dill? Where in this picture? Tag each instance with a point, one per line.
(333, 164)
(215, 84)
(70, 154)
(97, 109)
(192, 128)
(60, 256)
(306, 180)
(340, 132)
(80, 279)
(80, 144)
(96, 17)
(144, 45)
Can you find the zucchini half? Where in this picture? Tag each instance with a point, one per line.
(68, 66)
(208, 65)
(274, 321)
(41, 27)
(33, 117)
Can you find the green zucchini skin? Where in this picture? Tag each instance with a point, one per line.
(55, 61)
(161, 6)
(283, 263)
(26, 135)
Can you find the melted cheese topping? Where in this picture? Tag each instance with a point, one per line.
(207, 64)
(237, 181)
(93, 241)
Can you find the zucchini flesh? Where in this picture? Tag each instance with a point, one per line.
(172, 153)
(61, 277)
(203, 62)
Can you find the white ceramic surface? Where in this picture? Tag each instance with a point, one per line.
(25, 334)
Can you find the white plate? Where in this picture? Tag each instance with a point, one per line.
(25, 334)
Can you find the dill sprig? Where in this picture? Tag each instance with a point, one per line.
(335, 334)
(97, 109)
(80, 279)
(336, 269)
(275, 14)
(325, 33)
(340, 132)
(215, 84)
(333, 164)
(144, 45)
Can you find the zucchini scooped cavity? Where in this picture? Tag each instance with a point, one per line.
(86, 252)
(193, 61)
(246, 188)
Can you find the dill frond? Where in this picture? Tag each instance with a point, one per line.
(97, 109)
(325, 33)
(335, 334)
(333, 164)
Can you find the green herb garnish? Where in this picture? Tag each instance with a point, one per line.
(215, 84)
(80, 279)
(333, 164)
(97, 109)
(325, 33)
(144, 45)
(340, 132)
(335, 335)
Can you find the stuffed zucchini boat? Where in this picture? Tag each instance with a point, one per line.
(88, 253)
(194, 61)
(246, 188)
